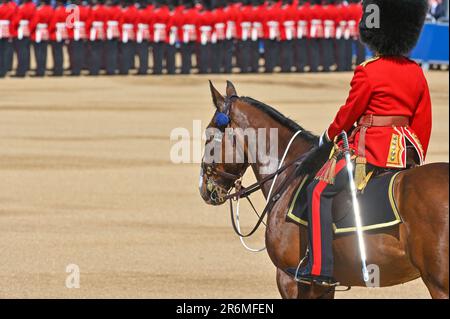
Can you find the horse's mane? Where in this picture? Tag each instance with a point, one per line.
(285, 121)
(316, 157)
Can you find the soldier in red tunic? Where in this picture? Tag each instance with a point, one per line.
(21, 35)
(271, 26)
(188, 35)
(160, 20)
(40, 35)
(204, 38)
(96, 26)
(302, 42)
(128, 19)
(330, 13)
(288, 32)
(390, 102)
(143, 35)
(174, 25)
(316, 35)
(7, 11)
(113, 13)
(231, 12)
(76, 25)
(58, 36)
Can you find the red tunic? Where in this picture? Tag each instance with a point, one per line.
(330, 14)
(204, 27)
(97, 22)
(113, 14)
(143, 24)
(39, 26)
(161, 18)
(128, 21)
(316, 24)
(288, 22)
(188, 32)
(271, 24)
(174, 25)
(22, 18)
(354, 14)
(7, 12)
(303, 21)
(77, 26)
(388, 87)
(58, 28)
(231, 15)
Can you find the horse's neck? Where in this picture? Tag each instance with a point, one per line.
(250, 117)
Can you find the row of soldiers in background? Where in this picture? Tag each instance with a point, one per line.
(108, 35)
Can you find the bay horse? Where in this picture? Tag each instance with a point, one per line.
(417, 247)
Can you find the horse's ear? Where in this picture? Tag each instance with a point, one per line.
(231, 91)
(218, 99)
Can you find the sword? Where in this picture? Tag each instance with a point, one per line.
(356, 211)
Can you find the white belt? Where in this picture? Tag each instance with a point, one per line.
(187, 29)
(39, 28)
(20, 30)
(173, 35)
(112, 23)
(273, 29)
(95, 25)
(4, 22)
(231, 28)
(289, 25)
(205, 31)
(246, 29)
(256, 30)
(77, 25)
(126, 27)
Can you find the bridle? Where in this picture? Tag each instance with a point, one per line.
(219, 194)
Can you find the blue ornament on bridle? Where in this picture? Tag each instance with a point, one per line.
(222, 119)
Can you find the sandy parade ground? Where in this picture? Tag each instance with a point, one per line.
(86, 179)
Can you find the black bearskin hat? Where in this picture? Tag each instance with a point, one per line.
(401, 22)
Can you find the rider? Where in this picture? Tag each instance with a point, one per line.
(390, 102)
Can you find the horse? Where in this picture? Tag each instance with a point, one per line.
(417, 247)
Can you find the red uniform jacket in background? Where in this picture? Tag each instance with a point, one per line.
(288, 22)
(7, 13)
(97, 22)
(174, 25)
(204, 27)
(271, 23)
(58, 28)
(161, 18)
(388, 87)
(303, 21)
(40, 23)
(128, 21)
(77, 29)
(113, 14)
(21, 22)
(316, 24)
(330, 14)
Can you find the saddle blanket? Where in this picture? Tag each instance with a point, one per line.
(376, 201)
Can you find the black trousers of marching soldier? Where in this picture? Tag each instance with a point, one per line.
(142, 50)
(171, 51)
(301, 54)
(77, 53)
(112, 56)
(186, 49)
(228, 50)
(204, 54)
(40, 55)
(95, 56)
(22, 48)
(254, 56)
(4, 47)
(217, 56)
(126, 57)
(315, 54)
(287, 55)
(328, 54)
(58, 57)
(271, 55)
(158, 57)
(245, 55)
(344, 55)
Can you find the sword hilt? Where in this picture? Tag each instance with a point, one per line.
(345, 140)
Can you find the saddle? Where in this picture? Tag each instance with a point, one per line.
(376, 200)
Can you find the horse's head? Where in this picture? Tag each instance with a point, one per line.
(219, 171)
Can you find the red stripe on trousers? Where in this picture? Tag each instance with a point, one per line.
(316, 227)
